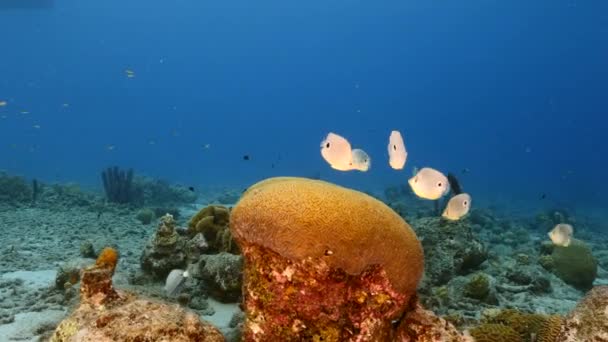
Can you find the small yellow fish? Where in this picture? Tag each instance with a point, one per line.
(429, 184)
(2, 103)
(561, 234)
(457, 207)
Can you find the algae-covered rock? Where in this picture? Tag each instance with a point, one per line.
(166, 251)
(422, 325)
(14, 189)
(575, 264)
(68, 273)
(107, 315)
(87, 250)
(589, 319)
(145, 216)
(222, 274)
(478, 287)
(450, 249)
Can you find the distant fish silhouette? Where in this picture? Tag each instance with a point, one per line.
(454, 184)
(543, 196)
(191, 188)
(246, 157)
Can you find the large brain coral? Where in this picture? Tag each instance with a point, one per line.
(575, 264)
(322, 261)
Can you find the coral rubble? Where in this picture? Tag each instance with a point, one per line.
(106, 315)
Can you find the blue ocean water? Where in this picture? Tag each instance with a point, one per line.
(513, 91)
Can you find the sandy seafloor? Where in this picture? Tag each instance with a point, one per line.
(34, 242)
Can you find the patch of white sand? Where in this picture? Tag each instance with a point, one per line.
(223, 313)
(33, 279)
(25, 325)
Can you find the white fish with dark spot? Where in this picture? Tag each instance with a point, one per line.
(397, 154)
(561, 234)
(360, 160)
(175, 282)
(429, 184)
(337, 152)
(457, 207)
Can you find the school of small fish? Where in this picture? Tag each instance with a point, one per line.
(426, 183)
(338, 153)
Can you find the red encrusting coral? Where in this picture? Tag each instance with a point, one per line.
(308, 300)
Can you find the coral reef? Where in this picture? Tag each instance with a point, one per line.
(589, 319)
(228, 197)
(450, 248)
(213, 222)
(495, 333)
(69, 272)
(574, 264)
(166, 250)
(322, 262)
(119, 188)
(504, 325)
(478, 287)
(14, 189)
(222, 273)
(420, 325)
(106, 315)
(160, 193)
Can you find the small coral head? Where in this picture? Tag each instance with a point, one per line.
(108, 258)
